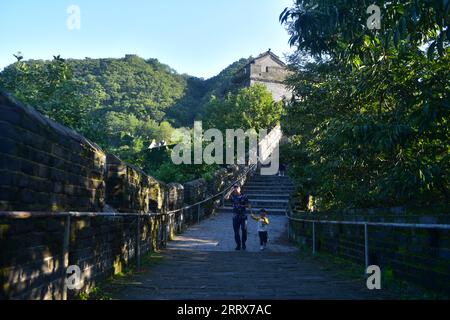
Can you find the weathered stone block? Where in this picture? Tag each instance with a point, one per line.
(60, 152)
(6, 177)
(60, 164)
(10, 131)
(28, 167)
(10, 163)
(8, 146)
(27, 196)
(219, 181)
(43, 158)
(5, 206)
(6, 193)
(10, 114)
(195, 191)
(57, 175)
(175, 196)
(58, 187)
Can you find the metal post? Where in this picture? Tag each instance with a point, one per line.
(66, 244)
(366, 247)
(289, 230)
(163, 230)
(198, 213)
(138, 243)
(314, 237)
(289, 223)
(180, 227)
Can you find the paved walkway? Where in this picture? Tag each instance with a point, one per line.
(216, 234)
(202, 264)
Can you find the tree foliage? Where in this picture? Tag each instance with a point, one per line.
(370, 123)
(249, 108)
(81, 96)
(50, 87)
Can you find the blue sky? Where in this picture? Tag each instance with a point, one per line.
(198, 37)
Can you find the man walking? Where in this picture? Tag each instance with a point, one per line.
(240, 204)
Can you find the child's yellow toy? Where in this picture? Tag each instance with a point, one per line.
(264, 220)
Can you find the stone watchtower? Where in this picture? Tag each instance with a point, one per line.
(269, 70)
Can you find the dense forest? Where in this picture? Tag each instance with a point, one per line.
(370, 124)
(130, 85)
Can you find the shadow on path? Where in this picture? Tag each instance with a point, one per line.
(202, 264)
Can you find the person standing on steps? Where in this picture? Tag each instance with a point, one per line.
(240, 204)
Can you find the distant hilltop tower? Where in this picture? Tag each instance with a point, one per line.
(269, 70)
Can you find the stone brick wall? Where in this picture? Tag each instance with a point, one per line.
(45, 166)
(31, 258)
(32, 264)
(271, 74)
(195, 191)
(421, 256)
(129, 189)
(219, 181)
(175, 196)
(225, 177)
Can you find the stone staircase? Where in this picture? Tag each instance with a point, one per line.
(269, 192)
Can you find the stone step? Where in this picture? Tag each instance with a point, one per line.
(269, 190)
(270, 176)
(268, 205)
(265, 205)
(259, 176)
(273, 193)
(256, 196)
(262, 184)
(269, 187)
(280, 203)
(266, 185)
(289, 183)
(271, 211)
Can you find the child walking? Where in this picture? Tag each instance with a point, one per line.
(263, 222)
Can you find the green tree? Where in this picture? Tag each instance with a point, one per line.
(51, 88)
(250, 108)
(370, 122)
